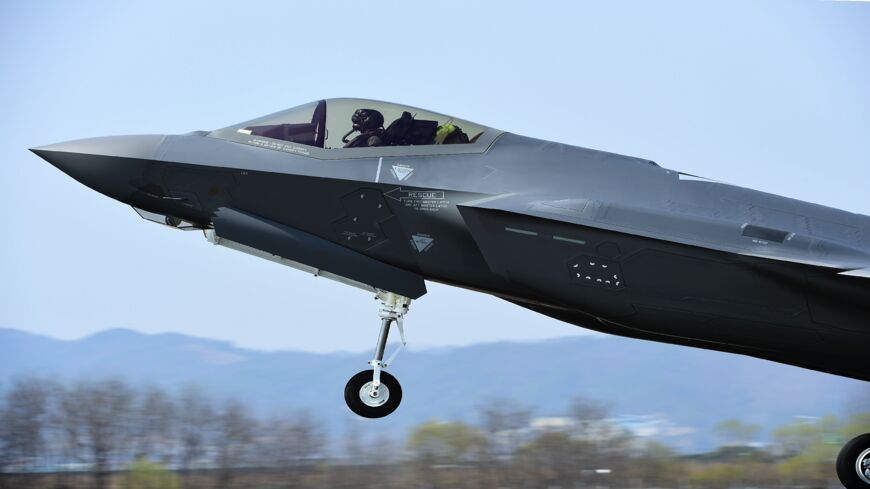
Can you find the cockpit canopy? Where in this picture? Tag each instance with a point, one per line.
(354, 123)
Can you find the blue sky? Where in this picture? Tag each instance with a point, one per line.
(771, 95)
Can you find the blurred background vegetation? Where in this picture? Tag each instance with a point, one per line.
(111, 434)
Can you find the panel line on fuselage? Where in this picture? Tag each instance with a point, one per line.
(378, 174)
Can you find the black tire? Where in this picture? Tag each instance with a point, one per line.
(355, 402)
(846, 469)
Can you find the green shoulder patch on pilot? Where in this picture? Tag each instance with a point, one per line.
(450, 134)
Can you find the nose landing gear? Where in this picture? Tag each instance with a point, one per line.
(853, 463)
(376, 393)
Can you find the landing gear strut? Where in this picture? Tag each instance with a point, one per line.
(853, 463)
(375, 393)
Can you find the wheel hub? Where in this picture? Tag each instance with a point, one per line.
(862, 466)
(378, 399)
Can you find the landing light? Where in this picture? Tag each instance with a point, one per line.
(171, 221)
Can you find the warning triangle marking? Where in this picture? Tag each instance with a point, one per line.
(422, 243)
(402, 172)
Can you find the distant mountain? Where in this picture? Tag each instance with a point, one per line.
(689, 388)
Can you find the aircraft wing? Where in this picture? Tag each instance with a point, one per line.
(729, 236)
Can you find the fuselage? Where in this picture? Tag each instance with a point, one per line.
(607, 242)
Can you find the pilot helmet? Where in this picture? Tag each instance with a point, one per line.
(367, 120)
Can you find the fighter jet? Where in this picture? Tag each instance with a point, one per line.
(385, 197)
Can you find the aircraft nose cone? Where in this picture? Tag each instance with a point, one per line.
(105, 164)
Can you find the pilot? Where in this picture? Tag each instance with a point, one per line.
(370, 125)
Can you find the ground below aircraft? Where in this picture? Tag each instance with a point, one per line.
(383, 197)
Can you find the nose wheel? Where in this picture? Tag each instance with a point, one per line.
(375, 393)
(362, 398)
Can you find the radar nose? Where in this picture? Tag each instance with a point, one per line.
(105, 164)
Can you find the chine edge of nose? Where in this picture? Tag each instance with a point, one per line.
(141, 146)
(46, 153)
(38, 151)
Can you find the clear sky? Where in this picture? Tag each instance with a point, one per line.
(773, 95)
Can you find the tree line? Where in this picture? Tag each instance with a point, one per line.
(108, 433)
(101, 427)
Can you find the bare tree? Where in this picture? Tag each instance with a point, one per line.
(598, 442)
(195, 422)
(590, 427)
(288, 450)
(235, 438)
(95, 419)
(66, 420)
(297, 441)
(588, 411)
(502, 420)
(505, 424)
(154, 426)
(23, 420)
